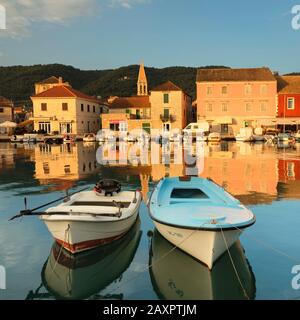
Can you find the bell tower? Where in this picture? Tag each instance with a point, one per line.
(142, 84)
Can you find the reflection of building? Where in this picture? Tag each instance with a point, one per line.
(167, 107)
(289, 177)
(64, 162)
(230, 99)
(63, 109)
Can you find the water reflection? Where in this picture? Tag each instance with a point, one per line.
(82, 276)
(177, 276)
(254, 173)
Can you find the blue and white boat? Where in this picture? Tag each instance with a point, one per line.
(198, 216)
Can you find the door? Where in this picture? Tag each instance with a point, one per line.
(166, 127)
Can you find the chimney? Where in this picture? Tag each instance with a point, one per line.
(60, 80)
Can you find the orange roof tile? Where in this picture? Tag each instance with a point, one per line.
(130, 102)
(246, 74)
(167, 86)
(288, 84)
(65, 92)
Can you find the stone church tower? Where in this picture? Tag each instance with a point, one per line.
(142, 84)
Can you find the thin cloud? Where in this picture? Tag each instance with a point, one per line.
(22, 14)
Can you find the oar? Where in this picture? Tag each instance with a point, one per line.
(28, 212)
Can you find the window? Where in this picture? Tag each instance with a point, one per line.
(263, 107)
(291, 103)
(263, 89)
(82, 107)
(94, 109)
(188, 194)
(248, 89)
(65, 107)
(114, 126)
(138, 113)
(248, 106)
(43, 106)
(128, 111)
(1, 110)
(209, 107)
(88, 108)
(224, 107)
(224, 90)
(45, 126)
(209, 91)
(166, 113)
(146, 127)
(46, 168)
(166, 98)
(224, 128)
(67, 169)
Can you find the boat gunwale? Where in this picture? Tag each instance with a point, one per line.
(201, 228)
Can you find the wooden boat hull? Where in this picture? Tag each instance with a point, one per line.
(205, 246)
(78, 236)
(80, 276)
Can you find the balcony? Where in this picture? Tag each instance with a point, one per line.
(167, 118)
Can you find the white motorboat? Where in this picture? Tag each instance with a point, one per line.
(214, 137)
(17, 138)
(30, 138)
(89, 137)
(198, 216)
(244, 135)
(258, 138)
(178, 276)
(92, 218)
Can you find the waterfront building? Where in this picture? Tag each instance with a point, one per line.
(49, 83)
(289, 101)
(167, 107)
(63, 109)
(231, 99)
(6, 110)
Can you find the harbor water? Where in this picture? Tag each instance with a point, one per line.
(143, 265)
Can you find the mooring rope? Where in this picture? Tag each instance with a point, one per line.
(148, 267)
(60, 250)
(269, 246)
(234, 267)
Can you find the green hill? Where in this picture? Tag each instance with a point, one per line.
(17, 82)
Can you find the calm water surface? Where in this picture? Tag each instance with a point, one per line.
(264, 177)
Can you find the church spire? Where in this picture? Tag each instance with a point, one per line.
(142, 84)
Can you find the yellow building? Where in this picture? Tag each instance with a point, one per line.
(63, 109)
(167, 107)
(49, 84)
(170, 107)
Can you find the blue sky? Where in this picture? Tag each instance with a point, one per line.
(102, 34)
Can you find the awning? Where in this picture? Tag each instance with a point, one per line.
(267, 122)
(8, 124)
(116, 121)
(223, 120)
(288, 121)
